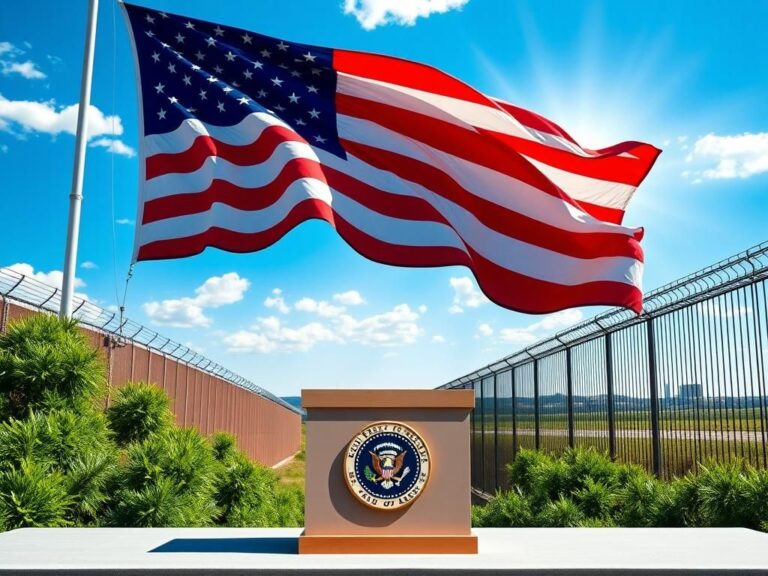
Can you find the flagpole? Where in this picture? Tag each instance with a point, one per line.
(76, 195)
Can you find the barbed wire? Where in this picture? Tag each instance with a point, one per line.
(21, 288)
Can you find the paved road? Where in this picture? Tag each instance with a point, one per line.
(714, 435)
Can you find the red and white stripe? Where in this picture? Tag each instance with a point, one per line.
(436, 175)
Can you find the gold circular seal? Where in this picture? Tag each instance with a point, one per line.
(387, 465)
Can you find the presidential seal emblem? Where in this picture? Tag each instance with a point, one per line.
(386, 465)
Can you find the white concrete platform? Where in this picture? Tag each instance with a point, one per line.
(537, 551)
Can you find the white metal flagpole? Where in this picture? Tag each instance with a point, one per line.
(76, 195)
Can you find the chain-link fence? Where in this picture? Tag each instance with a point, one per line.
(32, 292)
(678, 385)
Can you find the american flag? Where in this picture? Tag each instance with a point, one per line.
(245, 136)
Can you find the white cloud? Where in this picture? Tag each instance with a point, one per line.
(465, 295)
(124, 222)
(373, 13)
(485, 330)
(438, 339)
(349, 298)
(189, 312)
(728, 157)
(538, 330)
(26, 69)
(423, 309)
(48, 118)
(7, 48)
(320, 307)
(88, 265)
(269, 335)
(277, 301)
(54, 278)
(396, 327)
(715, 310)
(114, 146)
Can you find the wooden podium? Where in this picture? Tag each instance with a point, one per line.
(388, 472)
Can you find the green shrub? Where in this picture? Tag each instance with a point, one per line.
(32, 496)
(138, 411)
(86, 485)
(595, 499)
(560, 513)
(245, 494)
(160, 503)
(521, 471)
(290, 506)
(506, 509)
(724, 494)
(47, 363)
(224, 446)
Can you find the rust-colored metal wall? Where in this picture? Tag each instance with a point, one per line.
(265, 430)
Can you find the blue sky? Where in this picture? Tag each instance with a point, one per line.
(688, 77)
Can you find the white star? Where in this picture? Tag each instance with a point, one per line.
(150, 33)
(164, 15)
(179, 55)
(258, 65)
(229, 56)
(172, 68)
(266, 53)
(246, 38)
(243, 100)
(212, 79)
(276, 81)
(192, 110)
(295, 73)
(211, 41)
(203, 95)
(283, 66)
(227, 89)
(314, 113)
(173, 99)
(293, 98)
(159, 87)
(218, 31)
(312, 89)
(195, 67)
(279, 108)
(150, 19)
(300, 122)
(187, 80)
(164, 45)
(179, 38)
(218, 69)
(189, 25)
(319, 139)
(220, 106)
(248, 74)
(282, 46)
(161, 114)
(316, 71)
(309, 57)
(156, 57)
(199, 55)
(261, 93)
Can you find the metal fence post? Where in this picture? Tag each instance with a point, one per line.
(609, 385)
(536, 402)
(514, 415)
(569, 382)
(495, 432)
(652, 380)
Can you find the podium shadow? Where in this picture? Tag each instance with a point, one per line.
(230, 545)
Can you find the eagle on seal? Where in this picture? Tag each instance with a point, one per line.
(387, 465)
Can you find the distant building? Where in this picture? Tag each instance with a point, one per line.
(691, 392)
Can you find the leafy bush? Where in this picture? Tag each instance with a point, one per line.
(138, 411)
(31, 495)
(48, 363)
(60, 465)
(585, 488)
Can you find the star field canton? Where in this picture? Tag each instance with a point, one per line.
(194, 69)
